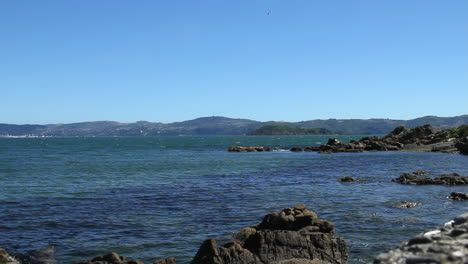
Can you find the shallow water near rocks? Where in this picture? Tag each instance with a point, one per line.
(155, 197)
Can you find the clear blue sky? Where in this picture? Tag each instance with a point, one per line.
(174, 60)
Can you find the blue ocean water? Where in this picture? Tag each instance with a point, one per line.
(155, 197)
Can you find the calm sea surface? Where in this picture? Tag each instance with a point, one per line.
(155, 197)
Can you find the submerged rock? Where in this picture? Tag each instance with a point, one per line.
(249, 149)
(458, 196)
(111, 258)
(347, 179)
(406, 204)
(443, 179)
(294, 235)
(447, 244)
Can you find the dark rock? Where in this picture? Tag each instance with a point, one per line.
(311, 148)
(249, 149)
(333, 141)
(458, 196)
(447, 244)
(297, 149)
(294, 236)
(462, 146)
(111, 258)
(420, 138)
(451, 179)
(347, 179)
(443, 179)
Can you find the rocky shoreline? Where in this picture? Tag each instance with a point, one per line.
(446, 244)
(297, 236)
(423, 138)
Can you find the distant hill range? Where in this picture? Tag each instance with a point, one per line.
(218, 125)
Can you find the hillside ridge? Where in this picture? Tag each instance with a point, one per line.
(219, 125)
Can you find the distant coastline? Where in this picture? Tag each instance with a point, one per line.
(218, 125)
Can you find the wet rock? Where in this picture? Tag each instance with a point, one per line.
(6, 258)
(447, 244)
(347, 179)
(111, 258)
(311, 148)
(249, 149)
(294, 235)
(406, 204)
(443, 179)
(458, 196)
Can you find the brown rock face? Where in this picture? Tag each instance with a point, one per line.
(294, 235)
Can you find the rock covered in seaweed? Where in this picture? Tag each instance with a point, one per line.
(447, 244)
(294, 235)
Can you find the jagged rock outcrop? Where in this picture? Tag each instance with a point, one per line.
(447, 244)
(111, 258)
(458, 196)
(294, 235)
(249, 149)
(400, 138)
(443, 179)
(423, 138)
